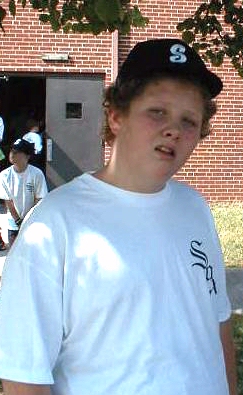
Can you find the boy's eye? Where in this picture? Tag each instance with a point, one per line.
(188, 122)
(157, 113)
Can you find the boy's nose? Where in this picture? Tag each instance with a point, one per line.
(172, 130)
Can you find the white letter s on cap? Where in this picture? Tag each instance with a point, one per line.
(178, 54)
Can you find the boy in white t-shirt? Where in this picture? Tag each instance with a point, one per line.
(2, 156)
(1, 128)
(120, 278)
(34, 136)
(21, 186)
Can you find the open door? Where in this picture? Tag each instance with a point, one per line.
(74, 119)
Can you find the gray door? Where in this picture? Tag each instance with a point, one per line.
(73, 127)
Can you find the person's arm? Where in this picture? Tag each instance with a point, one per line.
(40, 187)
(10, 206)
(14, 388)
(229, 355)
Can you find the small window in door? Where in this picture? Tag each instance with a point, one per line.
(74, 110)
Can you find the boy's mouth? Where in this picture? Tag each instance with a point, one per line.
(165, 150)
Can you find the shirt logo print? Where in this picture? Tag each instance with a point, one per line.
(202, 262)
(30, 187)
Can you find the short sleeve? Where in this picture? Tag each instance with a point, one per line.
(222, 302)
(31, 304)
(4, 192)
(40, 185)
(1, 128)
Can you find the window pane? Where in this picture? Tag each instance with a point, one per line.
(74, 110)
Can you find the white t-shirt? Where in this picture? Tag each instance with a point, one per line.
(35, 139)
(117, 293)
(1, 128)
(23, 189)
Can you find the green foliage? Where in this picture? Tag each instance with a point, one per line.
(237, 321)
(229, 222)
(2, 16)
(83, 16)
(12, 7)
(216, 30)
(108, 14)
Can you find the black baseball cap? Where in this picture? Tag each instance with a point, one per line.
(25, 146)
(172, 56)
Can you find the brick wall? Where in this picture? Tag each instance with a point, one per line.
(26, 40)
(216, 167)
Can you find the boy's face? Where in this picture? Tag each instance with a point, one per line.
(157, 135)
(18, 158)
(34, 129)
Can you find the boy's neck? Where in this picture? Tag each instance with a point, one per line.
(127, 182)
(20, 168)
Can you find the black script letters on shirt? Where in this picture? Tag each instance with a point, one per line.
(202, 261)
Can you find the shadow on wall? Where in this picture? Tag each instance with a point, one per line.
(62, 165)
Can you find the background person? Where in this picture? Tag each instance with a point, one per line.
(2, 155)
(1, 129)
(21, 186)
(33, 135)
(120, 274)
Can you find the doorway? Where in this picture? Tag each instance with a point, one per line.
(21, 98)
(73, 126)
(69, 111)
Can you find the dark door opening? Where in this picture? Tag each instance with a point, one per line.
(21, 98)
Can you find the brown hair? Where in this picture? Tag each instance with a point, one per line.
(32, 123)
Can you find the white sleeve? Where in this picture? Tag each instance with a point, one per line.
(31, 304)
(4, 191)
(1, 128)
(28, 138)
(223, 305)
(36, 139)
(40, 185)
(38, 144)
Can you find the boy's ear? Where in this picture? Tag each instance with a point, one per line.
(114, 118)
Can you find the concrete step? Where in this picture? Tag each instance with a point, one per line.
(234, 281)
